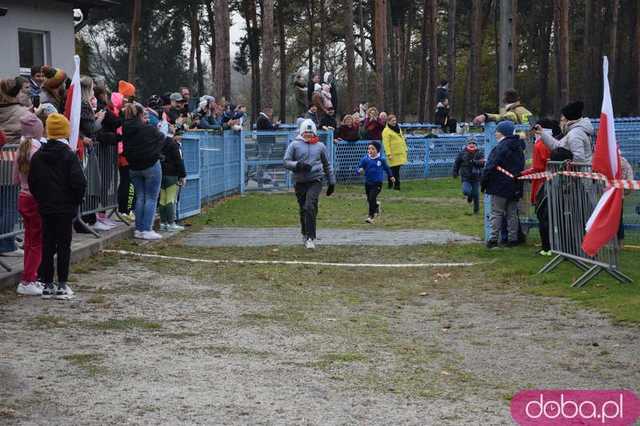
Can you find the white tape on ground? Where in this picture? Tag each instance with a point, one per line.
(293, 262)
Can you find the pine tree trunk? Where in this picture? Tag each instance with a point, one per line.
(212, 50)
(587, 59)
(364, 91)
(543, 60)
(267, 54)
(283, 63)
(381, 49)
(135, 40)
(394, 41)
(424, 65)
(222, 78)
(193, 18)
(254, 50)
(198, 49)
(451, 52)
(323, 33)
(613, 41)
(473, 67)
(311, 16)
(636, 54)
(506, 69)
(433, 59)
(561, 12)
(350, 47)
(515, 38)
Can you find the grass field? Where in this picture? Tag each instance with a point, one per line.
(433, 204)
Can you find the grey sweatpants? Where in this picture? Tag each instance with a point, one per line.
(502, 208)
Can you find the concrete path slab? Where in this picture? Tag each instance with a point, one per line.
(258, 237)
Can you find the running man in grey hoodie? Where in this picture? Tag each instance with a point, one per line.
(577, 130)
(309, 160)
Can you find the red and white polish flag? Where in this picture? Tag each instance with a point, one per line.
(605, 219)
(73, 105)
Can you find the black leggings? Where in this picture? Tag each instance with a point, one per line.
(125, 201)
(373, 190)
(56, 240)
(395, 171)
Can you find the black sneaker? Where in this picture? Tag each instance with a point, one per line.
(48, 291)
(64, 292)
(492, 244)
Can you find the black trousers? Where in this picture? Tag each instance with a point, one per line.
(395, 170)
(373, 190)
(542, 213)
(56, 240)
(125, 202)
(308, 194)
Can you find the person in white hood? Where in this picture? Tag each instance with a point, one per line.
(308, 158)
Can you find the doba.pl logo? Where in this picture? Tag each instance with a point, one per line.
(575, 407)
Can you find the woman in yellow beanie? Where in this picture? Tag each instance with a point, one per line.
(58, 184)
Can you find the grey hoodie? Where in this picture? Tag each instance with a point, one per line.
(314, 154)
(577, 140)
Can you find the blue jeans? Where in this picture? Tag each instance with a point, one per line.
(147, 188)
(472, 190)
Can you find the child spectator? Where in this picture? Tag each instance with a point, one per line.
(173, 176)
(373, 166)
(32, 130)
(468, 166)
(58, 185)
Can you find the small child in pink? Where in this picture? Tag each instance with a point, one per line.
(32, 130)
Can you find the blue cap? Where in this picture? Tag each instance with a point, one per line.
(506, 128)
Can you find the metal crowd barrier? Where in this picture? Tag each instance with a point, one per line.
(264, 152)
(10, 221)
(100, 166)
(101, 170)
(571, 202)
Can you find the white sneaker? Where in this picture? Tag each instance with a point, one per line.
(107, 221)
(99, 226)
(174, 227)
(151, 235)
(64, 293)
(29, 289)
(309, 244)
(138, 234)
(164, 226)
(15, 253)
(369, 220)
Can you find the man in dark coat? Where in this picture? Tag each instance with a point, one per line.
(505, 163)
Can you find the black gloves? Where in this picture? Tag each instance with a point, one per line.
(301, 167)
(331, 189)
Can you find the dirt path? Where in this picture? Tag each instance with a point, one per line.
(253, 237)
(153, 342)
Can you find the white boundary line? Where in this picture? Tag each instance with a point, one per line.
(293, 262)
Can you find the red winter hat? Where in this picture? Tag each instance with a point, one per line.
(3, 138)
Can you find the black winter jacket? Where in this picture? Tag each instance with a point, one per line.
(56, 179)
(468, 165)
(508, 154)
(143, 144)
(172, 162)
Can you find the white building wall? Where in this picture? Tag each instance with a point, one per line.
(56, 18)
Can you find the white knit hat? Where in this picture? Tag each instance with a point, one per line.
(308, 126)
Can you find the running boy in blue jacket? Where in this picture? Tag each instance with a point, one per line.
(372, 166)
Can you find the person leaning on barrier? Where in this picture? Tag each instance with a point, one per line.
(577, 130)
(347, 131)
(513, 111)
(502, 185)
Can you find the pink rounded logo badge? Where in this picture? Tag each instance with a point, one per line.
(575, 407)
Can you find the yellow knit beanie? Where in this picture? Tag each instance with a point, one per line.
(58, 127)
